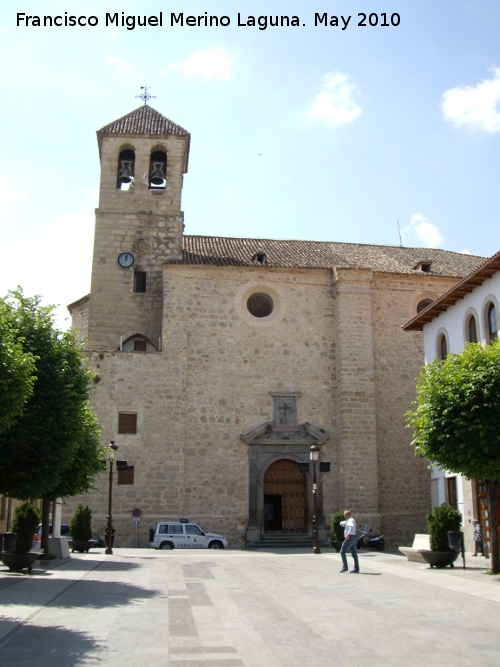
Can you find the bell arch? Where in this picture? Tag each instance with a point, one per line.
(126, 168)
(158, 169)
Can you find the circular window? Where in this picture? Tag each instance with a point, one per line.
(260, 305)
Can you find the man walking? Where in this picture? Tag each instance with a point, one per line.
(349, 543)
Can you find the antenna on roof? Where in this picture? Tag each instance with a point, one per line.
(146, 96)
(399, 232)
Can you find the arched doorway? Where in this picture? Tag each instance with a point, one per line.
(285, 498)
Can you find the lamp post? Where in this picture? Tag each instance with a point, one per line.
(314, 456)
(109, 537)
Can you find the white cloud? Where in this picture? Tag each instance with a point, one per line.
(123, 66)
(335, 104)
(465, 251)
(207, 64)
(475, 107)
(426, 233)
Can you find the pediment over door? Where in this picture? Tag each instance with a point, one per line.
(284, 428)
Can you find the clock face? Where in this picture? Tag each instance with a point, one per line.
(125, 260)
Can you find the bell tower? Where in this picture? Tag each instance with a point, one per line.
(139, 225)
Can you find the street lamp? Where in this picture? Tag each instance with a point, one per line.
(314, 456)
(120, 465)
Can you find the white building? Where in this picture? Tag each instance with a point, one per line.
(468, 313)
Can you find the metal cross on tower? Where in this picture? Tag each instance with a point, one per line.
(146, 96)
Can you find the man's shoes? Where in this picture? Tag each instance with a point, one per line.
(344, 569)
(354, 571)
(474, 554)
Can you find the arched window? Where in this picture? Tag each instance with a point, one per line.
(126, 165)
(423, 304)
(471, 330)
(158, 170)
(442, 347)
(492, 323)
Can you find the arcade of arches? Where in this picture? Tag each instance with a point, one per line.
(285, 498)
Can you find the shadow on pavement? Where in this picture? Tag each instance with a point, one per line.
(46, 646)
(98, 594)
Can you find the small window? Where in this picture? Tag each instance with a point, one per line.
(139, 346)
(139, 281)
(492, 323)
(423, 304)
(472, 330)
(259, 257)
(126, 476)
(127, 422)
(451, 483)
(163, 529)
(260, 305)
(424, 266)
(193, 530)
(442, 347)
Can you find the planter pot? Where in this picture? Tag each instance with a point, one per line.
(19, 561)
(439, 558)
(336, 544)
(81, 546)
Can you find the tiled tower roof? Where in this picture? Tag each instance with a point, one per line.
(144, 120)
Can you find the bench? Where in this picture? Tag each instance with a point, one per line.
(420, 541)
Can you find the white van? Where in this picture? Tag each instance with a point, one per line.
(183, 535)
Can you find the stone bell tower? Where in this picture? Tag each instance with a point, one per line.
(139, 225)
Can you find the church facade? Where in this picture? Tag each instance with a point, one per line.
(222, 360)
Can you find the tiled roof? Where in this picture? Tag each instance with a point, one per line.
(465, 286)
(224, 251)
(144, 120)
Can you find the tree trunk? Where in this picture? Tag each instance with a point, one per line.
(491, 491)
(44, 545)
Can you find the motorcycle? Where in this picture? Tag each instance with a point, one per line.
(367, 541)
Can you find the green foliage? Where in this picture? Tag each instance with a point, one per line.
(458, 412)
(26, 520)
(53, 449)
(441, 520)
(337, 529)
(16, 370)
(80, 526)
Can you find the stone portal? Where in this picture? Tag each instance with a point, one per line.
(280, 443)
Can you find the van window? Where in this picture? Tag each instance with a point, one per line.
(176, 530)
(163, 530)
(194, 530)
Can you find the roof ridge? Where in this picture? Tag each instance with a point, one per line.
(346, 243)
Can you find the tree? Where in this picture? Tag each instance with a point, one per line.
(53, 449)
(456, 421)
(16, 370)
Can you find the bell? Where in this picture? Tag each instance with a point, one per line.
(157, 177)
(124, 176)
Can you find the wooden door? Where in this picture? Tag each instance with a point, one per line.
(482, 511)
(283, 479)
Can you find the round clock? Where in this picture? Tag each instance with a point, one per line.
(125, 260)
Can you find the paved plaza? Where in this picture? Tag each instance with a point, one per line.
(247, 609)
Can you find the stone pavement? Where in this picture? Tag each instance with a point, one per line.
(248, 609)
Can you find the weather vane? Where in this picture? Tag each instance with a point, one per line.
(145, 95)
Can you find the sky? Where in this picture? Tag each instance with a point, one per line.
(338, 131)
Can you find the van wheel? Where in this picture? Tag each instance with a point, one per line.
(216, 545)
(167, 545)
